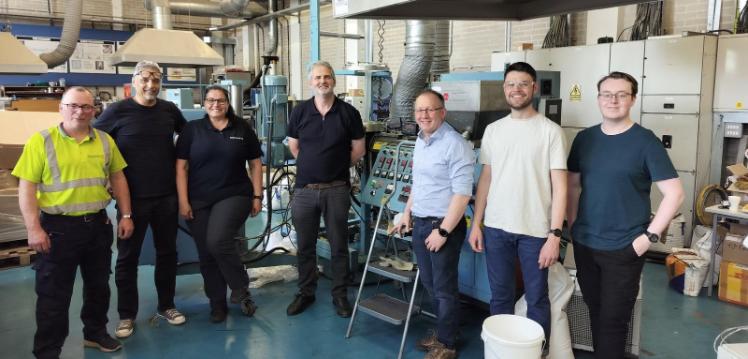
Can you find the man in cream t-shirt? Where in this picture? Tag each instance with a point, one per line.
(521, 198)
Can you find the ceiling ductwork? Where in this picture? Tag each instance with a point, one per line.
(468, 9)
(71, 31)
(164, 45)
(15, 58)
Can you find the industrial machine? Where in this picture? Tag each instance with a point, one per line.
(272, 120)
(476, 99)
(370, 93)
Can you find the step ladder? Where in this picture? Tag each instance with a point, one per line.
(381, 306)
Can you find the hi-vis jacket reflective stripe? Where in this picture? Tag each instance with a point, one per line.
(58, 185)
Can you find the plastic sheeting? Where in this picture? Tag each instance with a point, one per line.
(560, 290)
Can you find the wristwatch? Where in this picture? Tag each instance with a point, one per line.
(555, 231)
(127, 215)
(654, 238)
(443, 232)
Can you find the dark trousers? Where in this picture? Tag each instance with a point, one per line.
(333, 205)
(609, 281)
(161, 214)
(75, 241)
(214, 229)
(439, 275)
(502, 250)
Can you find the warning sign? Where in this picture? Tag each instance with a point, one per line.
(739, 105)
(576, 93)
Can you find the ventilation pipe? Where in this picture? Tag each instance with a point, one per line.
(426, 43)
(226, 8)
(272, 45)
(71, 30)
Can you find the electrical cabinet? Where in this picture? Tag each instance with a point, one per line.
(676, 99)
(731, 84)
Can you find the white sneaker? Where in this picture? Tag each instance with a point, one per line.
(173, 316)
(124, 328)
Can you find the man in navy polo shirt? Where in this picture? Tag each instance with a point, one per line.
(143, 128)
(326, 136)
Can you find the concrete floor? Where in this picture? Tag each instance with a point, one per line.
(673, 325)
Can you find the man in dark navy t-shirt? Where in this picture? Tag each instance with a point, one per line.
(611, 170)
(143, 128)
(326, 136)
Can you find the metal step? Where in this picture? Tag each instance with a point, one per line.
(386, 308)
(383, 231)
(389, 272)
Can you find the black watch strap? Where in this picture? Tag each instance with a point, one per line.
(556, 232)
(443, 232)
(653, 237)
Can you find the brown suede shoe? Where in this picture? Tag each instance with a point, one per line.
(429, 342)
(441, 353)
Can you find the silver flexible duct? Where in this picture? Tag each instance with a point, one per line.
(441, 48)
(420, 43)
(71, 30)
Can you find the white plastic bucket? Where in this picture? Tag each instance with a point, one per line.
(512, 337)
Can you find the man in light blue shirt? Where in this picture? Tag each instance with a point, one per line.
(442, 186)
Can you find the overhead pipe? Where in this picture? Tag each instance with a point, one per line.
(266, 17)
(272, 45)
(71, 29)
(225, 8)
(161, 12)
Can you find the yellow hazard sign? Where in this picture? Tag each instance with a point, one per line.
(576, 93)
(739, 105)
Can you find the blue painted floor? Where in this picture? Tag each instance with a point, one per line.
(673, 326)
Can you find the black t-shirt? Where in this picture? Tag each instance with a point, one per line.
(145, 136)
(324, 142)
(217, 160)
(617, 172)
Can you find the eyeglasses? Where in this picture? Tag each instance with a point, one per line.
(219, 101)
(153, 76)
(431, 111)
(619, 96)
(75, 106)
(519, 85)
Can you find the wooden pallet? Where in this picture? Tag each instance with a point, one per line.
(16, 257)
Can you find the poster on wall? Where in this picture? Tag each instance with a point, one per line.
(40, 45)
(93, 57)
(181, 74)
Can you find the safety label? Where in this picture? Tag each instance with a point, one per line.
(576, 93)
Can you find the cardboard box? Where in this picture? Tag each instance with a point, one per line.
(739, 229)
(15, 129)
(733, 283)
(741, 172)
(733, 250)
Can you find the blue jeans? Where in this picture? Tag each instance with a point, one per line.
(439, 275)
(502, 248)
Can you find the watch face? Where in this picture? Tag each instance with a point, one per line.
(443, 232)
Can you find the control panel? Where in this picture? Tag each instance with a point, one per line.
(391, 176)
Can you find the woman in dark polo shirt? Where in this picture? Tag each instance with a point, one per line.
(216, 195)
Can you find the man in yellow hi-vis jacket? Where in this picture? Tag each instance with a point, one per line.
(62, 193)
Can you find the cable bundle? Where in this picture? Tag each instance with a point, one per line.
(558, 34)
(648, 21)
(742, 20)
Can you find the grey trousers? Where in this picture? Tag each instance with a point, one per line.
(307, 207)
